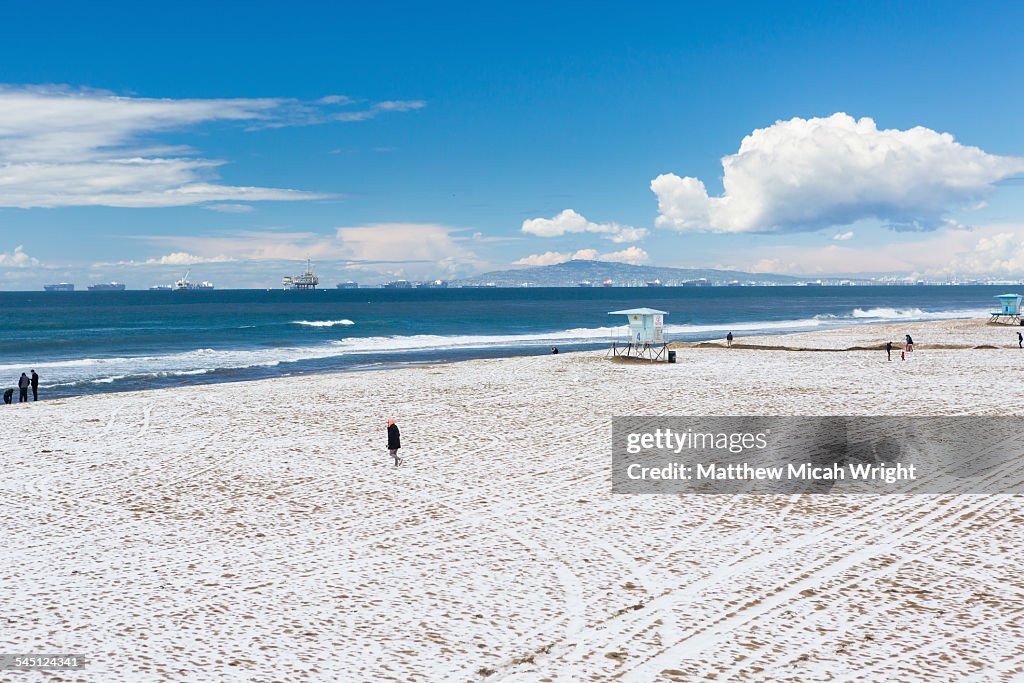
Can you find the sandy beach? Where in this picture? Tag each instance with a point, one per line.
(256, 531)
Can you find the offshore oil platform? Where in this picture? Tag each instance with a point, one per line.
(308, 280)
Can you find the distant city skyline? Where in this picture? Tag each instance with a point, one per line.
(441, 142)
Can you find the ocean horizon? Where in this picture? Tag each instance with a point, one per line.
(91, 342)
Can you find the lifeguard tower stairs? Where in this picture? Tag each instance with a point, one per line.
(644, 338)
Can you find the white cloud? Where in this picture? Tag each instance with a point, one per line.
(351, 116)
(399, 241)
(378, 108)
(17, 258)
(808, 174)
(998, 254)
(548, 258)
(843, 236)
(400, 105)
(249, 245)
(634, 255)
(996, 250)
(229, 208)
(183, 258)
(64, 147)
(397, 249)
(568, 221)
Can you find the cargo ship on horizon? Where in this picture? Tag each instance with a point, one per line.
(107, 287)
(186, 284)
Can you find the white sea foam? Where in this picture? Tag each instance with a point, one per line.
(889, 313)
(323, 323)
(872, 315)
(857, 316)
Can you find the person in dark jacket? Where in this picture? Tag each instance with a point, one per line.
(888, 350)
(1020, 340)
(35, 386)
(728, 339)
(9, 396)
(910, 343)
(394, 441)
(23, 383)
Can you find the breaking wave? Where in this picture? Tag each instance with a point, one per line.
(323, 323)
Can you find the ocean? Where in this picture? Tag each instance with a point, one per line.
(89, 342)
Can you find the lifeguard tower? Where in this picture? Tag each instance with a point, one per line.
(1009, 310)
(646, 335)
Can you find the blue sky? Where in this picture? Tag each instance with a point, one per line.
(474, 118)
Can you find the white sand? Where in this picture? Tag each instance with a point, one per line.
(255, 531)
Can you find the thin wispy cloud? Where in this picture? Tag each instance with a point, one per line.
(399, 105)
(351, 116)
(380, 107)
(230, 208)
(336, 99)
(61, 146)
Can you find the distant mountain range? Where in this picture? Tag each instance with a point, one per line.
(576, 272)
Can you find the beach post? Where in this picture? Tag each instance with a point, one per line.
(646, 340)
(1009, 308)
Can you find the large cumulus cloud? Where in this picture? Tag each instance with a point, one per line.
(808, 174)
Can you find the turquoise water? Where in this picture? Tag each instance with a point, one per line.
(84, 342)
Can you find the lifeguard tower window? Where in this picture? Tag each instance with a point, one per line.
(645, 335)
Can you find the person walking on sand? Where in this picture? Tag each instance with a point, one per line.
(888, 350)
(728, 339)
(1020, 340)
(35, 386)
(23, 383)
(394, 441)
(910, 343)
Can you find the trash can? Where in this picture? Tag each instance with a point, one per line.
(671, 356)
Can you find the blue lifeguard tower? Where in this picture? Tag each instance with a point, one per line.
(646, 335)
(1009, 309)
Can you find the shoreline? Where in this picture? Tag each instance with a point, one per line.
(522, 352)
